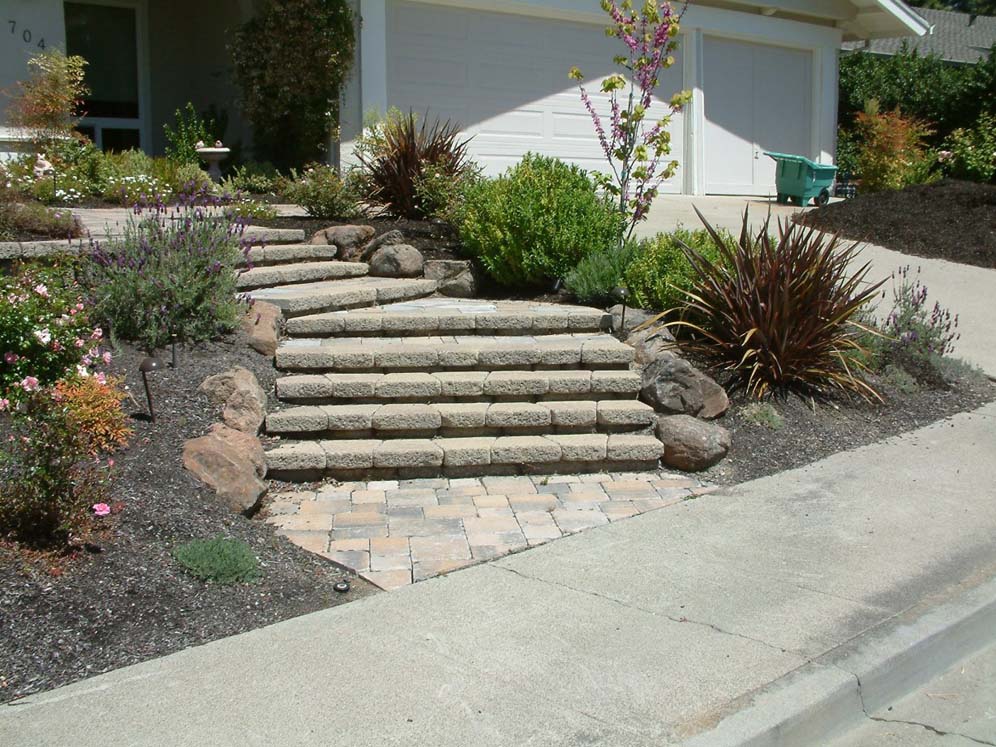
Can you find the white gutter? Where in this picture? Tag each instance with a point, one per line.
(917, 24)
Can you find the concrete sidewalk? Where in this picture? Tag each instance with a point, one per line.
(567, 644)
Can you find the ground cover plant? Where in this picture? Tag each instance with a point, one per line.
(171, 277)
(218, 560)
(599, 277)
(949, 219)
(778, 314)
(536, 222)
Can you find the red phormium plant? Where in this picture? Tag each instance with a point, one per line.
(779, 313)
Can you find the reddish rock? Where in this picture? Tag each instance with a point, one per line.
(242, 399)
(691, 444)
(673, 385)
(349, 239)
(231, 463)
(262, 325)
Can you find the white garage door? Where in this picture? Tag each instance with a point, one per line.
(504, 79)
(757, 98)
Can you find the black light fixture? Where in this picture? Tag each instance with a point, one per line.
(147, 365)
(341, 586)
(620, 294)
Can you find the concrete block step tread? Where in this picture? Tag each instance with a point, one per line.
(463, 352)
(458, 386)
(304, 460)
(492, 418)
(271, 254)
(265, 235)
(299, 272)
(444, 316)
(331, 295)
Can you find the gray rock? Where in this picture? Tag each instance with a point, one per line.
(650, 343)
(674, 386)
(385, 239)
(242, 399)
(634, 318)
(231, 463)
(397, 261)
(691, 444)
(262, 324)
(348, 238)
(456, 277)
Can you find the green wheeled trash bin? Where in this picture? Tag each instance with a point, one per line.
(801, 180)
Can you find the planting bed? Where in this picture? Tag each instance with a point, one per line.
(813, 429)
(66, 618)
(950, 220)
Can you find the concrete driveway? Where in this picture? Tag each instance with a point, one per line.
(966, 290)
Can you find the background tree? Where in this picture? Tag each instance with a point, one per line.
(49, 103)
(979, 7)
(291, 62)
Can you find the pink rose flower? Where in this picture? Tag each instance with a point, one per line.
(29, 383)
(10, 358)
(41, 290)
(101, 509)
(107, 357)
(4, 404)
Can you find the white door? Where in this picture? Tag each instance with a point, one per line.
(504, 79)
(757, 98)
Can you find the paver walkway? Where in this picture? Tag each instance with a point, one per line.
(394, 533)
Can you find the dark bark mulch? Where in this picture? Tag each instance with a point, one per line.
(814, 429)
(66, 618)
(950, 219)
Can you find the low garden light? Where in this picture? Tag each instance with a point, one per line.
(147, 365)
(621, 294)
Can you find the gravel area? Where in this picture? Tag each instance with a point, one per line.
(950, 219)
(63, 619)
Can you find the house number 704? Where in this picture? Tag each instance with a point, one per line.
(26, 35)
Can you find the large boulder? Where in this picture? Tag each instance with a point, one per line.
(649, 343)
(691, 444)
(455, 277)
(231, 463)
(262, 324)
(348, 239)
(390, 238)
(396, 261)
(674, 386)
(240, 396)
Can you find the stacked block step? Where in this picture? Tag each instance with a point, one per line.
(435, 386)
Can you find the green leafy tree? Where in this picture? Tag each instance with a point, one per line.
(291, 62)
(50, 102)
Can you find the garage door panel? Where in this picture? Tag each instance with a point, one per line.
(504, 79)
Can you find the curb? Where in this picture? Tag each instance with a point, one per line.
(835, 692)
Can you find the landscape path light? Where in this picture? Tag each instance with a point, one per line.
(147, 365)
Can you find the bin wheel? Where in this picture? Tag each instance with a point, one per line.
(782, 199)
(823, 197)
(796, 200)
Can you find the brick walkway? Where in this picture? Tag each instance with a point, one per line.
(394, 533)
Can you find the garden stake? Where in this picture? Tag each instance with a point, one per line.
(173, 352)
(149, 364)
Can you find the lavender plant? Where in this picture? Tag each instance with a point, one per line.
(915, 329)
(635, 145)
(172, 275)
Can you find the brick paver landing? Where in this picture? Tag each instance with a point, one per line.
(394, 533)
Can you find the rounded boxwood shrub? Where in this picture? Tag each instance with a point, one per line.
(659, 273)
(534, 223)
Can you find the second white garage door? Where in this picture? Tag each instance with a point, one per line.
(504, 79)
(757, 98)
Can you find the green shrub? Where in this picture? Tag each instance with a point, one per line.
(322, 193)
(50, 475)
(597, 276)
(660, 271)
(891, 153)
(253, 178)
(218, 560)
(182, 138)
(913, 328)
(38, 221)
(777, 313)
(45, 331)
(169, 276)
(395, 155)
(536, 222)
(441, 193)
(971, 152)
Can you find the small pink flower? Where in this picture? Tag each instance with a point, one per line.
(10, 358)
(101, 509)
(107, 357)
(29, 383)
(41, 290)
(79, 307)
(56, 346)
(110, 463)
(78, 342)
(101, 378)
(4, 404)
(97, 334)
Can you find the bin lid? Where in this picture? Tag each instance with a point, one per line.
(798, 159)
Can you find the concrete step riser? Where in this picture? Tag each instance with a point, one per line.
(307, 460)
(463, 420)
(275, 254)
(360, 324)
(309, 272)
(477, 386)
(412, 473)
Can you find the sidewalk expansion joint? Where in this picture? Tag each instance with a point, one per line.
(655, 613)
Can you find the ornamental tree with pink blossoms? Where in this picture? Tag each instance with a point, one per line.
(635, 144)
